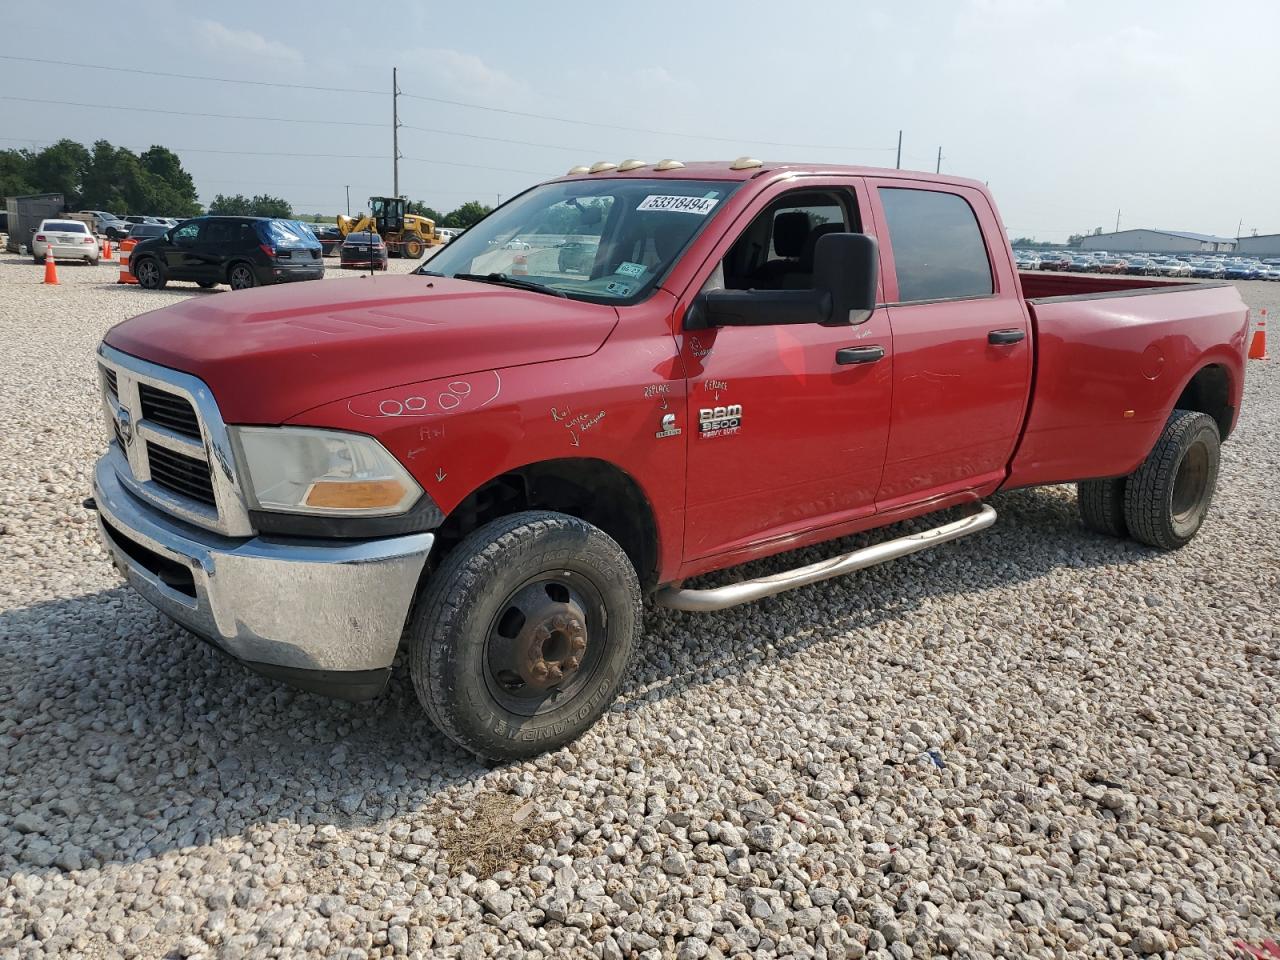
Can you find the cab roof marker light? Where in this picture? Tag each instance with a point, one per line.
(631, 165)
(601, 166)
(574, 171)
(746, 163)
(669, 164)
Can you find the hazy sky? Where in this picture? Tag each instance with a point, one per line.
(1070, 110)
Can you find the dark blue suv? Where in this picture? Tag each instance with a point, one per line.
(239, 251)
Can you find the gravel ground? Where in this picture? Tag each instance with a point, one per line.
(1035, 742)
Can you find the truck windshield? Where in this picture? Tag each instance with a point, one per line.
(598, 240)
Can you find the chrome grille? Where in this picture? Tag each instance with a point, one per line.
(181, 474)
(168, 410)
(170, 446)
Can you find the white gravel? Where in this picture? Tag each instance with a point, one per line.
(1036, 742)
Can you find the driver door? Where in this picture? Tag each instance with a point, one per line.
(788, 425)
(183, 260)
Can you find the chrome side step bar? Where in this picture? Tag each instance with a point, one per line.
(719, 598)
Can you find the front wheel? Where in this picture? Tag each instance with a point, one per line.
(524, 634)
(149, 274)
(412, 249)
(241, 277)
(1166, 499)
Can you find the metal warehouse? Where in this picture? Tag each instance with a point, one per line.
(1158, 241)
(1267, 245)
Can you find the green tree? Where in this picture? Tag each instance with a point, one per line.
(422, 210)
(467, 215)
(16, 177)
(261, 205)
(61, 168)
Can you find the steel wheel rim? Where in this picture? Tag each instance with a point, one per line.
(534, 627)
(241, 278)
(1189, 483)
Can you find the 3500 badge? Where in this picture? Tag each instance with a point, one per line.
(719, 421)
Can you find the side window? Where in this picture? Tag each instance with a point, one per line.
(219, 231)
(187, 234)
(938, 251)
(775, 251)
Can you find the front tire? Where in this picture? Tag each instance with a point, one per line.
(149, 274)
(412, 249)
(1166, 499)
(524, 634)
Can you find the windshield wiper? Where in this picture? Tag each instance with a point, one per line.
(504, 280)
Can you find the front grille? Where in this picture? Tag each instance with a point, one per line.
(111, 382)
(115, 426)
(180, 473)
(168, 410)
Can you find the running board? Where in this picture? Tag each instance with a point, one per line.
(719, 598)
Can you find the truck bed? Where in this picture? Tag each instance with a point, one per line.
(1113, 355)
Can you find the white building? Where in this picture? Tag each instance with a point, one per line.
(1267, 245)
(1158, 241)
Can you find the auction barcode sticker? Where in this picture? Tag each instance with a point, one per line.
(696, 205)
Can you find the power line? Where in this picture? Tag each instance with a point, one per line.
(454, 103)
(189, 113)
(192, 76)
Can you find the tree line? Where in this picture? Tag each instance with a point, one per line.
(107, 177)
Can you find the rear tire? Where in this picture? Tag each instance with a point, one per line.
(523, 635)
(1166, 499)
(149, 273)
(412, 249)
(206, 284)
(241, 276)
(1101, 505)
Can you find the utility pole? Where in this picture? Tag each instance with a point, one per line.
(938, 168)
(1239, 227)
(1117, 221)
(395, 135)
(899, 165)
(348, 199)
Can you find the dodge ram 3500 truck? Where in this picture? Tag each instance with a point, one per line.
(619, 380)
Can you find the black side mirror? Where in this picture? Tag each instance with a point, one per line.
(846, 268)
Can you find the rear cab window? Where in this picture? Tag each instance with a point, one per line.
(65, 226)
(285, 234)
(939, 252)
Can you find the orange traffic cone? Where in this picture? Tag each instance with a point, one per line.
(50, 268)
(106, 249)
(1258, 348)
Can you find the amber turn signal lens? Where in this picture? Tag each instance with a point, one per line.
(355, 494)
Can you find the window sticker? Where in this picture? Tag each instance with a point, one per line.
(700, 206)
(629, 269)
(621, 289)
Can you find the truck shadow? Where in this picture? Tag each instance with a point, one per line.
(136, 739)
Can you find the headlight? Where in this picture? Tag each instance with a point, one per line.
(326, 472)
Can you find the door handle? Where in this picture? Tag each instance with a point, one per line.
(870, 354)
(1005, 337)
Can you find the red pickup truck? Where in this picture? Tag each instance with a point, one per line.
(617, 381)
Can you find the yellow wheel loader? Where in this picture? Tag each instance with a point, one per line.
(405, 234)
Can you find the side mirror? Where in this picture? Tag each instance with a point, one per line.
(846, 268)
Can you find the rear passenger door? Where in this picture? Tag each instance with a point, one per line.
(961, 341)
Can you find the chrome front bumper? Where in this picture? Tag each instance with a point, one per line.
(306, 612)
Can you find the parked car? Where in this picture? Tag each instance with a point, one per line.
(1175, 268)
(1082, 265)
(1054, 261)
(1207, 269)
(358, 248)
(497, 468)
(68, 239)
(330, 240)
(239, 251)
(145, 231)
(1112, 265)
(1139, 267)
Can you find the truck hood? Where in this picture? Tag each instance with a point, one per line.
(272, 353)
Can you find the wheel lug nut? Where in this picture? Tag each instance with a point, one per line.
(572, 664)
(578, 645)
